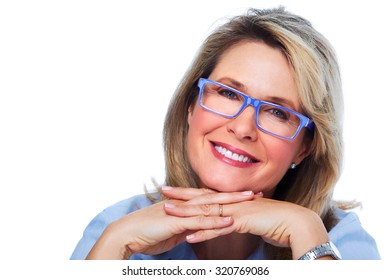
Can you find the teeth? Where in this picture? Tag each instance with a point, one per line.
(231, 155)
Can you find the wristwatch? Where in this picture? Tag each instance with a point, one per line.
(326, 249)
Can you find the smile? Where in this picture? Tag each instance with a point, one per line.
(234, 156)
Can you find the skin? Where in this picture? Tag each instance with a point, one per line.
(265, 74)
(249, 215)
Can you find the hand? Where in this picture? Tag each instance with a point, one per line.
(277, 222)
(152, 231)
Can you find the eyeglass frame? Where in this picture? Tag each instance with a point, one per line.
(305, 122)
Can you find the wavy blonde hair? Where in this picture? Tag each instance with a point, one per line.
(318, 80)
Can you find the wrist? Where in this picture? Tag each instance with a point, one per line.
(326, 250)
(309, 233)
(109, 246)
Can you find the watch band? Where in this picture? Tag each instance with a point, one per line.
(326, 249)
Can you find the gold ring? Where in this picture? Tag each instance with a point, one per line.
(220, 210)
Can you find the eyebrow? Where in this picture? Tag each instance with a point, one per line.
(272, 99)
(236, 84)
(282, 101)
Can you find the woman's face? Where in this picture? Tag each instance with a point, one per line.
(264, 73)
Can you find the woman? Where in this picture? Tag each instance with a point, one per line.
(253, 149)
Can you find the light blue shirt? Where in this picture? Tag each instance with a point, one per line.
(353, 242)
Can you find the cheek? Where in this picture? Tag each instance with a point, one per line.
(195, 119)
(201, 122)
(279, 152)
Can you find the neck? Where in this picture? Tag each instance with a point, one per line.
(229, 247)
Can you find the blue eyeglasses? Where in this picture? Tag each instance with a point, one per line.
(271, 118)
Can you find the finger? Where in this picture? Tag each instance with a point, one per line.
(184, 193)
(203, 223)
(183, 210)
(203, 235)
(222, 198)
(205, 196)
(259, 194)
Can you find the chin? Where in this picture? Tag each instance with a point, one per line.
(225, 190)
(226, 186)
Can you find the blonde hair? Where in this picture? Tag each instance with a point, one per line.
(318, 80)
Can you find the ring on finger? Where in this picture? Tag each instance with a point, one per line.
(220, 210)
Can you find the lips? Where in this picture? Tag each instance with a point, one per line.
(233, 155)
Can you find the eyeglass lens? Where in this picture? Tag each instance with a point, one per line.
(271, 118)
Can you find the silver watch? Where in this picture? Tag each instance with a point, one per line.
(326, 249)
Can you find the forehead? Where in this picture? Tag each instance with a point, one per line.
(263, 71)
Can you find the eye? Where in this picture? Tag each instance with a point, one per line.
(278, 113)
(275, 113)
(227, 93)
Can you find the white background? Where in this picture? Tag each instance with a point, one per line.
(85, 86)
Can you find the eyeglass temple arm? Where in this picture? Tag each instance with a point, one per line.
(310, 125)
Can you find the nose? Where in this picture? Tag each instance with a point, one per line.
(244, 126)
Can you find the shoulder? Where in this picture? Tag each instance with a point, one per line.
(125, 207)
(122, 208)
(352, 240)
(98, 224)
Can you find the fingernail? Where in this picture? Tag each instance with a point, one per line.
(260, 194)
(227, 219)
(169, 205)
(247, 193)
(166, 188)
(189, 237)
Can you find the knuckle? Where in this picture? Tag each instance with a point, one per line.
(206, 191)
(200, 220)
(206, 209)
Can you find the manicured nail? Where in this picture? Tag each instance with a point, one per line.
(169, 205)
(260, 194)
(189, 237)
(166, 188)
(247, 193)
(227, 219)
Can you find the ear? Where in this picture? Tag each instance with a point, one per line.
(189, 117)
(304, 151)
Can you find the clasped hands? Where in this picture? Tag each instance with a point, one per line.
(194, 215)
